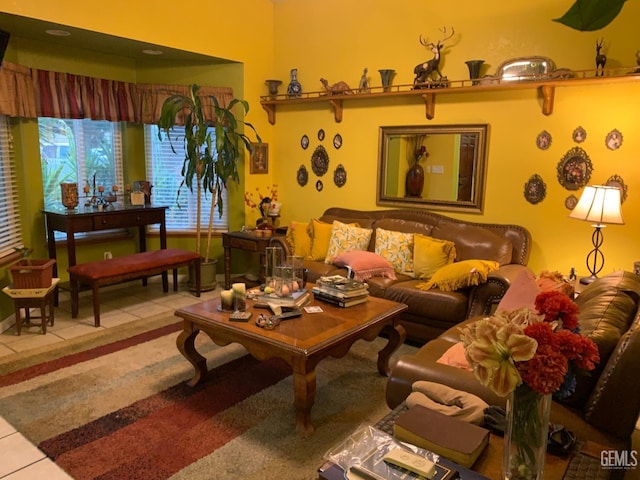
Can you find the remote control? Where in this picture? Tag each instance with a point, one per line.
(411, 461)
(291, 314)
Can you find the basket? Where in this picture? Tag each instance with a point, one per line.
(32, 273)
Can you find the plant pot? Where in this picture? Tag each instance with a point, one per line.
(32, 273)
(208, 271)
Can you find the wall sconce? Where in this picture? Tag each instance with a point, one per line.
(601, 205)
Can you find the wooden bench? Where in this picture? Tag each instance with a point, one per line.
(129, 267)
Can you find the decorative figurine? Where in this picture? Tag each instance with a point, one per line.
(601, 58)
(364, 81)
(340, 88)
(424, 71)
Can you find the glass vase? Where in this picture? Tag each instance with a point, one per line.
(526, 432)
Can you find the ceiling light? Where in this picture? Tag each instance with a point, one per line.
(152, 52)
(58, 33)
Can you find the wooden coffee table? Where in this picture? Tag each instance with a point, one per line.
(301, 342)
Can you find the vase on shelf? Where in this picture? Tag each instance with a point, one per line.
(386, 75)
(294, 89)
(526, 433)
(474, 70)
(273, 87)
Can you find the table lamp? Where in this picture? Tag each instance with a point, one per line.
(599, 204)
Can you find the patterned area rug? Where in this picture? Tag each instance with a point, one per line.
(115, 406)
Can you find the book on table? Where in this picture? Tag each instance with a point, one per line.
(459, 441)
(343, 285)
(338, 301)
(296, 300)
(335, 292)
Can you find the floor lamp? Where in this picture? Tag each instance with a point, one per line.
(600, 205)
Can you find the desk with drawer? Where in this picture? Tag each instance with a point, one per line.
(79, 221)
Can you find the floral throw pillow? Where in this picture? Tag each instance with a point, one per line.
(397, 247)
(345, 238)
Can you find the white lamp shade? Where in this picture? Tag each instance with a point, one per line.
(599, 204)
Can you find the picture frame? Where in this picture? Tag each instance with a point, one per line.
(259, 158)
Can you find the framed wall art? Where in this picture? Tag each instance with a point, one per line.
(260, 158)
(613, 140)
(579, 135)
(543, 140)
(574, 169)
(535, 189)
(618, 182)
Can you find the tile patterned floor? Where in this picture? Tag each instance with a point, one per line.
(21, 460)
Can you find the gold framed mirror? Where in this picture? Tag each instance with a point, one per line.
(436, 167)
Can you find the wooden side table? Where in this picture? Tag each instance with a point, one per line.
(248, 242)
(29, 298)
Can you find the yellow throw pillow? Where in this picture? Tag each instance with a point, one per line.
(320, 233)
(345, 238)
(462, 274)
(429, 254)
(298, 237)
(397, 247)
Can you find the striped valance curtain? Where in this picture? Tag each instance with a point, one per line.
(31, 92)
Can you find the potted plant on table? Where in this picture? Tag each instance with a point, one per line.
(212, 149)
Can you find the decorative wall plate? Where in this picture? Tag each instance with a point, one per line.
(337, 141)
(320, 161)
(574, 169)
(340, 176)
(302, 176)
(304, 142)
(319, 185)
(613, 140)
(535, 189)
(321, 134)
(543, 141)
(618, 182)
(579, 135)
(571, 201)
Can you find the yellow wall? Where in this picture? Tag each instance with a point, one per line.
(337, 39)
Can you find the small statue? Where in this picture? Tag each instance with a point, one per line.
(601, 58)
(364, 82)
(340, 88)
(424, 71)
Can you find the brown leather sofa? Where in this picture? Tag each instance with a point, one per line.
(605, 405)
(432, 312)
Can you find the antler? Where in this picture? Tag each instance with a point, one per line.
(444, 32)
(427, 43)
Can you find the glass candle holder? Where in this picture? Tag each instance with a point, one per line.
(297, 274)
(226, 300)
(273, 258)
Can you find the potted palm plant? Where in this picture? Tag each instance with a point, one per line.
(212, 149)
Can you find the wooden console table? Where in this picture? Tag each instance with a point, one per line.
(78, 221)
(243, 241)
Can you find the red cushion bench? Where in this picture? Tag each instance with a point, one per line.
(129, 267)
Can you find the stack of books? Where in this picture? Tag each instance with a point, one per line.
(295, 300)
(340, 291)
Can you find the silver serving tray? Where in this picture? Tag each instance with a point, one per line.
(526, 68)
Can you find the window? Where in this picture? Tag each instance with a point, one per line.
(10, 230)
(81, 151)
(164, 168)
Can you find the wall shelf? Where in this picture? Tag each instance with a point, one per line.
(547, 89)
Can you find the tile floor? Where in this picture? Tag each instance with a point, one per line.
(21, 460)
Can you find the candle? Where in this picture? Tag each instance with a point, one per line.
(239, 290)
(226, 297)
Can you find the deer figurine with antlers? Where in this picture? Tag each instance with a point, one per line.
(601, 58)
(424, 71)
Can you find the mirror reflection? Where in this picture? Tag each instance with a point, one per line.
(439, 167)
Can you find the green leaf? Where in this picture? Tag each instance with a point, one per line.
(590, 15)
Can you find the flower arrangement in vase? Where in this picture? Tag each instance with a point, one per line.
(265, 204)
(529, 356)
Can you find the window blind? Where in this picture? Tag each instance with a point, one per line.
(164, 167)
(10, 227)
